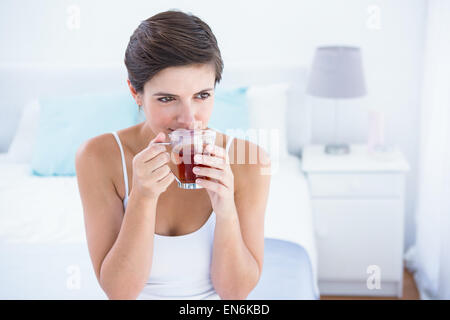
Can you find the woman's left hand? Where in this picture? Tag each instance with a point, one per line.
(220, 186)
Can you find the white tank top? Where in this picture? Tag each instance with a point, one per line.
(181, 265)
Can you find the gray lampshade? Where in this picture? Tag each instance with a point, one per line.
(337, 73)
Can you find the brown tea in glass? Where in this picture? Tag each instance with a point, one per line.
(185, 145)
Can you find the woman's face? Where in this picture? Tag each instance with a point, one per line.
(178, 97)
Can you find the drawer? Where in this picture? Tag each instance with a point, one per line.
(355, 185)
(352, 235)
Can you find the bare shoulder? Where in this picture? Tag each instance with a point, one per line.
(104, 146)
(100, 156)
(249, 162)
(102, 206)
(247, 154)
(97, 150)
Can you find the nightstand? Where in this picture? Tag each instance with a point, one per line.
(358, 208)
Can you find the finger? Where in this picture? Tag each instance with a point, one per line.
(160, 137)
(215, 151)
(161, 172)
(211, 161)
(212, 185)
(209, 172)
(160, 160)
(175, 155)
(151, 152)
(154, 149)
(167, 180)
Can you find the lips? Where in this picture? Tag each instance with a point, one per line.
(171, 130)
(178, 129)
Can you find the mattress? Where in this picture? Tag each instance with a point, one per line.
(289, 212)
(43, 249)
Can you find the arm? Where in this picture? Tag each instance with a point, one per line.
(127, 265)
(120, 246)
(239, 237)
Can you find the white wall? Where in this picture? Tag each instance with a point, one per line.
(40, 32)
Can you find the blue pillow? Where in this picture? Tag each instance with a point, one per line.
(65, 122)
(230, 112)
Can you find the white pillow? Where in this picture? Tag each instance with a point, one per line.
(21, 148)
(267, 112)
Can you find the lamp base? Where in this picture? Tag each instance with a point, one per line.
(337, 149)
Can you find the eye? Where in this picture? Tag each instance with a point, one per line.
(204, 95)
(165, 99)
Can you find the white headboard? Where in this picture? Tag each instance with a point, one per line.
(20, 84)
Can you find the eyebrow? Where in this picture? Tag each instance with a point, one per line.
(174, 95)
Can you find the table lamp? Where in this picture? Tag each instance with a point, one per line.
(337, 73)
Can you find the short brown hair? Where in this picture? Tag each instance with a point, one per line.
(168, 39)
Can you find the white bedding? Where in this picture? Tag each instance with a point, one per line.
(289, 214)
(44, 216)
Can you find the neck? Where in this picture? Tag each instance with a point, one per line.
(144, 135)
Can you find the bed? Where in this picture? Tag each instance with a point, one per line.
(43, 250)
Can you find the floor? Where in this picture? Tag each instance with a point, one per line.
(410, 292)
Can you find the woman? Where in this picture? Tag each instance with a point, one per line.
(155, 240)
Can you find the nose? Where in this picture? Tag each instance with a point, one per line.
(186, 117)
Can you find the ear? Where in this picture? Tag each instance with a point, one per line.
(134, 93)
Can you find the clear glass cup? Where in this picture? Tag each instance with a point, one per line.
(184, 145)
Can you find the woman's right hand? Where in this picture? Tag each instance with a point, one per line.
(151, 174)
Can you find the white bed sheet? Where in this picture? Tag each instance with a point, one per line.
(289, 212)
(46, 214)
